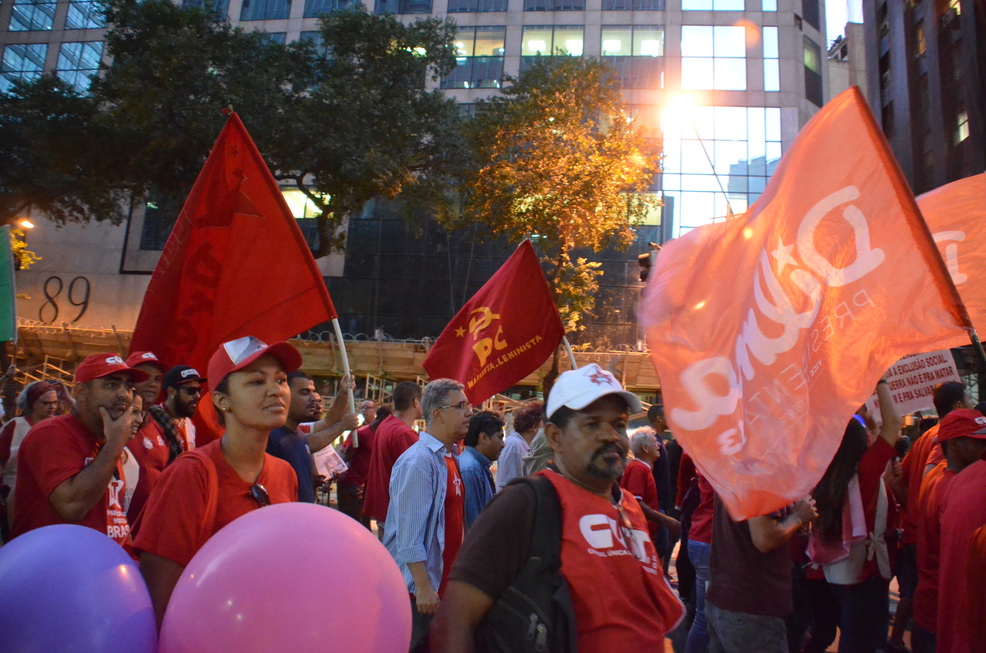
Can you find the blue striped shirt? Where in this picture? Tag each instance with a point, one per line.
(415, 526)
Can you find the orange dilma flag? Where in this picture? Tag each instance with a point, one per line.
(769, 330)
(956, 216)
(503, 333)
(235, 264)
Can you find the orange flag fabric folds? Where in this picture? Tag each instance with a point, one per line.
(235, 264)
(956, 216)
(505, 332)
(769, 330)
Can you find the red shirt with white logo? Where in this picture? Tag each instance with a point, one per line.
(151, 452)
(53, 452)
(622, 601)
(455, 502)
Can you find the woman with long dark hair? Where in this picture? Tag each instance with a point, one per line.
(849, 540)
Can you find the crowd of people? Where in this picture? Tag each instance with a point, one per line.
(549, 529)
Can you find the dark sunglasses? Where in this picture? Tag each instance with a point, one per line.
(192, 391)
(259, 494)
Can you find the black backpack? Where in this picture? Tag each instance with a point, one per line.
(534, 614)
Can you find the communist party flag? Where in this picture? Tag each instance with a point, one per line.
(956, 216)
(503, 333)
(235, 264)
(769, 330)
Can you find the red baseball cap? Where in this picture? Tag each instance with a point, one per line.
(962, 423)
(236, 354)
(100, 365)
(146, 358)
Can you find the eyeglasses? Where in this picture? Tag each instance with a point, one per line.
(259, 494)
(462, 405)
(192, 391)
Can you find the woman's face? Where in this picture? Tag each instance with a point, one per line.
(45, 406)
(258, 395)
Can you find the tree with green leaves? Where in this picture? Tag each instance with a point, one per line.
(345, 122)
(557, 158)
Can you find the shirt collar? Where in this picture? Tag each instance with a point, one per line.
(479, 456)
(434, 444)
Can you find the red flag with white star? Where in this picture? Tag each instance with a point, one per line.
(505, 332)
(770, 329)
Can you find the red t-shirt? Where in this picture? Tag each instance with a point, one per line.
(455, 502)
(54, 451)
(151, 452)
(702, 518)
(393, 438)
(359, 463)
(639, 481)
(912, 471)
(176, 521)
(622, 602)
(963, 512)
(686, 472)
(936, 456)
(929, 546)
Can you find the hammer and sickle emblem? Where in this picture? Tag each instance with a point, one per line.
(482, 318)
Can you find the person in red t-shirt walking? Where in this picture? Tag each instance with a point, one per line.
(393, 437)
(207, 488)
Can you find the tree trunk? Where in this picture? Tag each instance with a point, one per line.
(552, 375)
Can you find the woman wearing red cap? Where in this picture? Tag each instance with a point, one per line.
(205, 489)
(38, 401)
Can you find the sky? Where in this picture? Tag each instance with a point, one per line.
(840, 12)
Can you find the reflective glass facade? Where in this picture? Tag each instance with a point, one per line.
(21, 62)
(78, 62)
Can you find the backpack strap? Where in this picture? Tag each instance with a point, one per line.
(546, 535)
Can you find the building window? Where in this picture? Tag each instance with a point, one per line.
(920, 43)
(546, 41)
(23, 62)
(887, 119)
(769, 5)
(403, 6)
(220, 8)
(771, 61)
(265, 9)
(468, 6)
(713, 58)
(78, 62)
(277, 37)
(744, 147)
(633, 5)
(32, 15)
(315, 8)
(478, 57)
(636, 53)
(813, 72)
(810, 12)
(713, 5)
(85, 14)
(961, 125)
(554, 5)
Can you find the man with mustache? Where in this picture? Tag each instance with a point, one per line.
(69, 466)
(184, 388)
(619, 599)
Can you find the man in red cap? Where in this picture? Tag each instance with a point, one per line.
(958, 437)
(69, 466)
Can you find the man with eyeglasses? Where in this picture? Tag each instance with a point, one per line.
(69, 467)
(426, 516)
(619, 601)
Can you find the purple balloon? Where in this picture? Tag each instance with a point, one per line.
(290, 577)
(71, 588)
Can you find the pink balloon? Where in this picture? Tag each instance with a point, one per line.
(290, 577)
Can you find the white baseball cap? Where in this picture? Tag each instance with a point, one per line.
(578, 388)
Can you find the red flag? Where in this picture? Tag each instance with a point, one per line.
(770, 329)
(235, 264)
(503, 333)
(956, 216)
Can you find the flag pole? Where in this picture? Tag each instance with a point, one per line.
(568, 348)
(345, 371)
